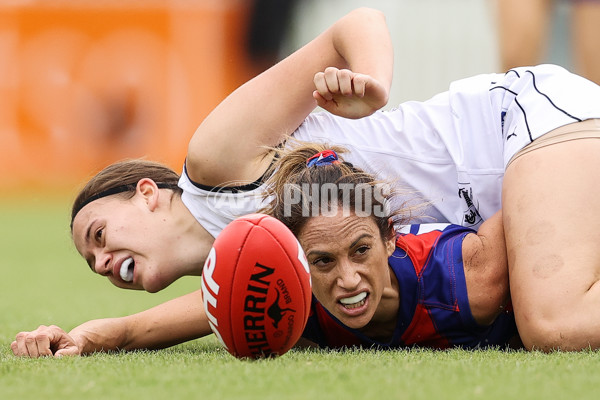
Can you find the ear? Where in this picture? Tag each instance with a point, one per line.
(148, 190)
(390, 243)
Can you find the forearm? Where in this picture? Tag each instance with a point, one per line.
(273, 104)
(100, 335)
(165, 325)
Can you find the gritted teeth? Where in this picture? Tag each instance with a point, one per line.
(126, 270)
(354, 299)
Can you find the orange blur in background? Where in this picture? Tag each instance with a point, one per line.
(84, 83)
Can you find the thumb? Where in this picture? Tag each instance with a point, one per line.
(328, 105)
(320, 99)
(67, 351)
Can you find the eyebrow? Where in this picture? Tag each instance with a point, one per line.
(317, 253)
(325, 253)
(87, 239)
(360, 238)
(88, 233)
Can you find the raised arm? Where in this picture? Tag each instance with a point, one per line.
(228, 145)
(165, 325)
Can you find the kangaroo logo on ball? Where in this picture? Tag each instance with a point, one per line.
(275, 312)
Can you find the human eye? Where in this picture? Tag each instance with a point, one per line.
(98, 235)
(322, 262)
(362, 250)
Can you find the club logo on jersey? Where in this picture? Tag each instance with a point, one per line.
(471, 215)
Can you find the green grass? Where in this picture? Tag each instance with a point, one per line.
(45, 282)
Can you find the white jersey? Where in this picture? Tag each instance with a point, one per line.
(451, 150)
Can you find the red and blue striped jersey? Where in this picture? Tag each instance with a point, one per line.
(434, 307)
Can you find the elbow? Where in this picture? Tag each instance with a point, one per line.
(365, 16)
(368, 12)
(548, 335)
(551, 328)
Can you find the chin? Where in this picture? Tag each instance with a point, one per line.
(353, 322)
(155, 284)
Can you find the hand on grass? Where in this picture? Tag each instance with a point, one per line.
(348, 94)
(44, 341)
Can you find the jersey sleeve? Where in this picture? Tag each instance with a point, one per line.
(215, 207)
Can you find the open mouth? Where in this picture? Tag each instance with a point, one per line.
(126, 270)
(354, 301)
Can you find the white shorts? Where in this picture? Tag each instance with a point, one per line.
(588, 129)
(537, 100)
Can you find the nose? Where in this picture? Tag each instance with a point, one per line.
(102, 264)
(348, 276)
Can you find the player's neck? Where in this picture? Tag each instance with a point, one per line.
(194, 240)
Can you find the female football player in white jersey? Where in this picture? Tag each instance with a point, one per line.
(108, 229)
(466, 151)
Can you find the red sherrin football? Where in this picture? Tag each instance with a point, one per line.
(256, 287)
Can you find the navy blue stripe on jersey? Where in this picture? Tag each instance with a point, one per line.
(550, 100)
(518, 104)
(246, 187)
(515, 72)
(525, 119)
(504, 88)
(534, 84)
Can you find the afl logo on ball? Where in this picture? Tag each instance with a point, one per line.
(210, 291)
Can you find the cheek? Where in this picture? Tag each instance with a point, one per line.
(379, 269)
(383, 264)
(320, 283)
(128, 231)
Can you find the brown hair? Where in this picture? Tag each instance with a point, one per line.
(293, 179)
(122, 178)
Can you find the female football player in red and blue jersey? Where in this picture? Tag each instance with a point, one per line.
(433, 285)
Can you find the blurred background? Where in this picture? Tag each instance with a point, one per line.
(84, 83)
